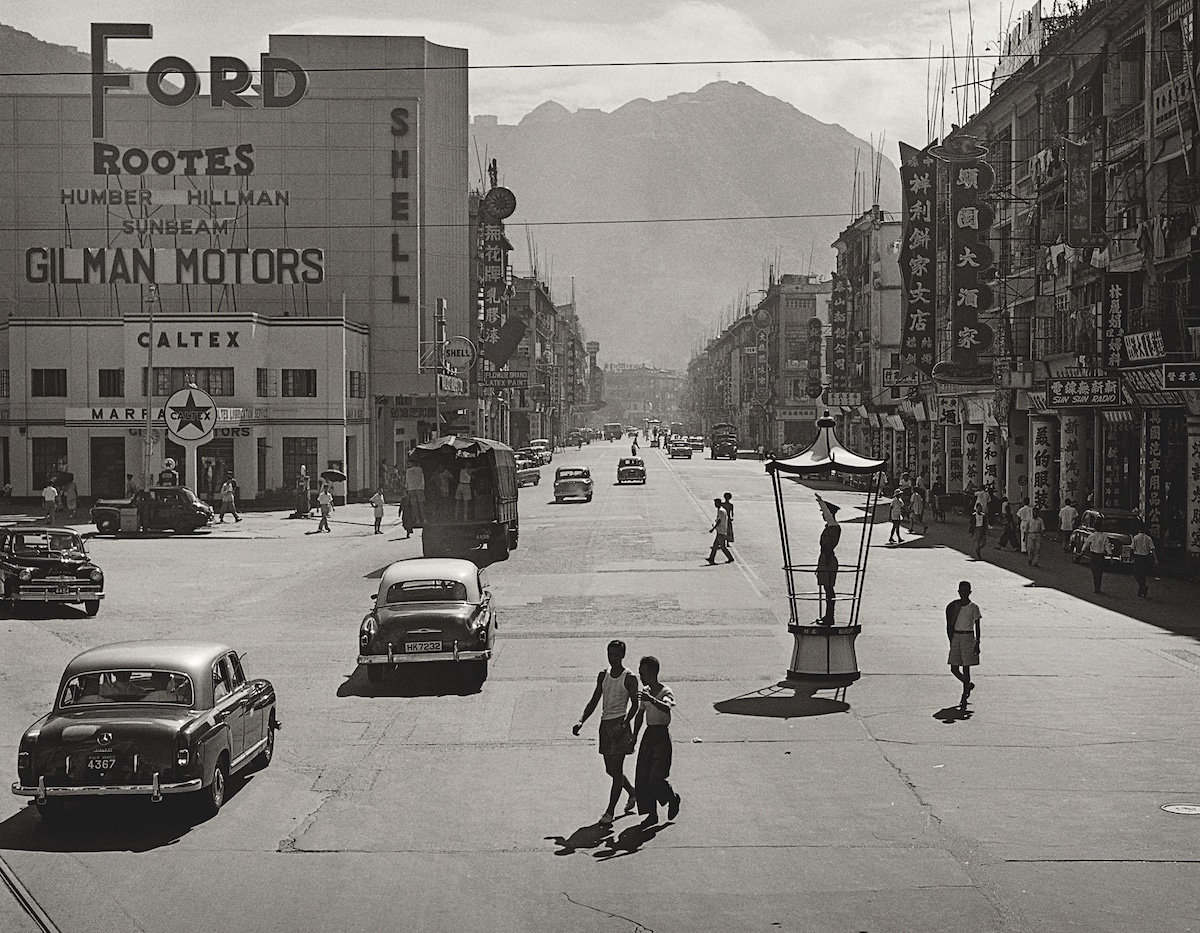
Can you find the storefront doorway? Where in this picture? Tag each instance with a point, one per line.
(107, 467)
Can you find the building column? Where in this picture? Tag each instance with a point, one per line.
(991, 458)
(1193, 491)
(1074, 441)
(1042, 448)
(972, 454)
(954, 458)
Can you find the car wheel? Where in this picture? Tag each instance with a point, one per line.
(105, 526)
(589, 498)
(51, 810)
(211, 798)
(268, 751)
(558, 498)
(91, 606)
(374, 673)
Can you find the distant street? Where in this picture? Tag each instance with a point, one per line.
(424, 805)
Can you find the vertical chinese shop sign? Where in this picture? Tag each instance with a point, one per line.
(839, 336)
(1078, 157)
(918, 256)
(1112, 318)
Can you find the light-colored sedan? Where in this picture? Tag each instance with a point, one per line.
(573, 483)
(543, 449)
(428, 609)
(529, 472)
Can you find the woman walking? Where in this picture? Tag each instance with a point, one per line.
(916, 511)
(979, 529)
(654, 757)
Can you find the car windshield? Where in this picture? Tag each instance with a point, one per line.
(573, 474)
(630, 461)
(426, 591)
(1119, 525)
(101, 687)
(34, 543)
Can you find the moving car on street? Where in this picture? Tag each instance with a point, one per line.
(1119, 527)
(696, 442)
(159, 508)
(573, 483)
(148, 718)
(679, 447)
(631, 470)
(542, 448)
(428, 609)
(529, 472)
(43, 564)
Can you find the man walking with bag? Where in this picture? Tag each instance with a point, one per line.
(618, 688)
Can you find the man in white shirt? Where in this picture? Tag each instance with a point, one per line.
(1024, 514)
(962, 628)
(50, 500)
(1143, 559)
(414, 504)
(1067, 516)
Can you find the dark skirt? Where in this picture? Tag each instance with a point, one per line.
(653, 768)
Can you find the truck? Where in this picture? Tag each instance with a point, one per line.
(614, 431)
(724, 442)
(158, 508)
(469, 500)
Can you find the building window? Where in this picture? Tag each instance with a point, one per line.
(112, 383)
(299, 383)
(299, 452)
(358, 384)
(169, 379)
(220, 381)
(49, 459)
(3, 383)
(49, 383)
(261, 382)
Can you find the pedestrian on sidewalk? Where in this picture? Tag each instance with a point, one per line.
(978, 528)
(721, 541)
(377, 505)
(325, 505)
(70, 496)
(229, 498)
(1096, 549)
(1067, 516)
(633, 447)
(916, 511)
(962, 628)
(50, 501)
(618, 688)
(414, 508)
(1033, 538)
(1008, 528)
(728, 506)
(1024, 514)
(896, 514)
(1143, 559)
(654, 757)
(938, 493)
(827, 561)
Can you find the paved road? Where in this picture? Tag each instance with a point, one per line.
(427, 805)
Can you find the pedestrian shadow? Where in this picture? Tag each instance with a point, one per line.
(953, 714)
(784, 700)
(586, 837)
(629, 841)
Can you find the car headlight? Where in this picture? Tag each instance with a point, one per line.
(97, 575)
(26, 574)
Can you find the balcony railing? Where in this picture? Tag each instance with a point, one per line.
(1171, 105)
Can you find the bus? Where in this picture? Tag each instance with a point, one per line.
(614, 431)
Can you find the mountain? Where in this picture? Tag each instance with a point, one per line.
(650, 291)
(33, 66)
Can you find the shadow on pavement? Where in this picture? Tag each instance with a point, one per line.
(629, 841)
(953, 714)
(43, 611)
(428, 679)
(586, 837)
(783, 700)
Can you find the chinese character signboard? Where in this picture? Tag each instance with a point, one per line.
(843, 399)
(1112, 318)
(970, 259)
(762, 367)
(1074, 393)
(918, 256)
(494, 286)
(816, 342)
(1145, 347)
(839, 334)
(947, 409)
(1179, 376)
(1079, 197)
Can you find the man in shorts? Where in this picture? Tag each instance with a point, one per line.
(618, 688)
(962, 628)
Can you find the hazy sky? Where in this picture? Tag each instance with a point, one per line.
(868, 98)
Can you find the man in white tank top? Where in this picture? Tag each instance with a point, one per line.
(618, 688)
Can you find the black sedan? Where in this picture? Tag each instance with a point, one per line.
(42, 563)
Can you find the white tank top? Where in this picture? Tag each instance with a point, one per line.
(616, 697)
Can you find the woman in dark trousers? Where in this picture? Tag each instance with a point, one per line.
(654, 757)
(1008, 528)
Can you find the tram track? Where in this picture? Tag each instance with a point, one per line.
(26, 901)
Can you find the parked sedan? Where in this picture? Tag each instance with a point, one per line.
(631, 470)
(44, 564)
(529, 472)
(148, 718)
(543, 449)
(573, 483)
(428, 609)
(1119, 527)
(679, 448)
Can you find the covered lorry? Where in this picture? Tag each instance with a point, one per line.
(470, 497)
(724, 442)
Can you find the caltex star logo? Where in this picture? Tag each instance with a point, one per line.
(191, 413)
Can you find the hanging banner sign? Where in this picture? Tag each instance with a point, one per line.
(918, 256)
(1079, 197)
(1112, 318)
(838, 362)
(815, 335)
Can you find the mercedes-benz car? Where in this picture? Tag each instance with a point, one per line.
(631, 470)
(573, 483)
(42, 563)
(150, 719)
(428, 609)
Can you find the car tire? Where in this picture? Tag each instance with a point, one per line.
(211, 798)
(558, 499)
(263, 758)
(374, 673)
(91, 606)
(51, 810)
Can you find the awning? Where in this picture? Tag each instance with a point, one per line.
(1119, 416)
(1144, 387)
(824, 455)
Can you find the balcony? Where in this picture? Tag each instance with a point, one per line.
(1172, 106)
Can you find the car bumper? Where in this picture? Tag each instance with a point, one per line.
(482, 654)
(154, 789)
(47, 597)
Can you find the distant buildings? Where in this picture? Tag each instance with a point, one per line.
(635, 393)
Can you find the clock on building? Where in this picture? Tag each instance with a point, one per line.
(500, 203)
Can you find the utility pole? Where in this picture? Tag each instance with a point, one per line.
(439, 348)
(148, 452)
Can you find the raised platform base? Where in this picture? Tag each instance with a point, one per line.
(824, 653)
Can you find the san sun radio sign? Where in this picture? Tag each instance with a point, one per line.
(172, 81)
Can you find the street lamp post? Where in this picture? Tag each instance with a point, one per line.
(148, 448)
